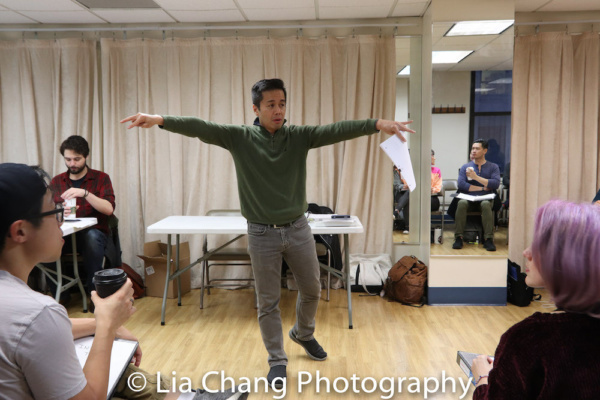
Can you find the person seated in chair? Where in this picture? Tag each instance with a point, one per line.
(95, 197)
(477, 177)
(37, 353)
(436, 184)
(401, 198)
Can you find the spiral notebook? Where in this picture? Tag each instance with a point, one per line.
(122, 353)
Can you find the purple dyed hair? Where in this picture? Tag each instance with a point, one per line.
(566, 250)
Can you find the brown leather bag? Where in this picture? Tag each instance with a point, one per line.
(407, 281)
(139, 290)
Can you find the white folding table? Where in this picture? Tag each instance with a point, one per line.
(177, 225)
(70, 227)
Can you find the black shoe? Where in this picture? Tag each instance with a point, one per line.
(489, 245)
(312, 347)
(458, 243)
(277, 376)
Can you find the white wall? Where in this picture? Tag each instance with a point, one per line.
(450, 132)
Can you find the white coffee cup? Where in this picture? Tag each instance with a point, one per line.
(470, 169)
(437, 235)
(72, 204)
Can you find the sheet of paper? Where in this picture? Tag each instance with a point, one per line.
(397, 151)
(476, 198)
(121, 354)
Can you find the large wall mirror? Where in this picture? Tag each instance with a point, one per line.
(471, 100)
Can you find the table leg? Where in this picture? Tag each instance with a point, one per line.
(347, 264)
(177, 270)
(76, 273)
(167, 274)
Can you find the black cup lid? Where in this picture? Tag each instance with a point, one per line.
(109, 275)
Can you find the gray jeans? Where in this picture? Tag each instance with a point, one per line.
(295, 243)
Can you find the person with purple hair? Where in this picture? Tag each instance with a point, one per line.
(553, 355)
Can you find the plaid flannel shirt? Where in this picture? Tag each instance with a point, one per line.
(95, 182)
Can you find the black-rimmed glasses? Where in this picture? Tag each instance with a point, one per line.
(58, 210)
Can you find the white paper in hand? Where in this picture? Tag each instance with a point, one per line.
(397, 151)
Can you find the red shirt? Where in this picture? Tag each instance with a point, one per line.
(95, 182)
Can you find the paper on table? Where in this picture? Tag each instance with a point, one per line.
(476, 198)
(397, 151)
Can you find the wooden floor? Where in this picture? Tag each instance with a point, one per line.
(388, 341)
(468, 248)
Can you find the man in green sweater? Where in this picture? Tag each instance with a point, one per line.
(270, 161)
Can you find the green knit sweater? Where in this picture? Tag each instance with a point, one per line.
(271, 169)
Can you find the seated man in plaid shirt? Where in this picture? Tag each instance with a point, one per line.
(95, 198)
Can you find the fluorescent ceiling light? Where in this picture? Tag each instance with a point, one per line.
(468, 28)
(449, 57)
(404, 71)
(484, 90)
(501, 81)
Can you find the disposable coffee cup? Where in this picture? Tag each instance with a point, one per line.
(108, 281)
(71, 204)
(470, 169)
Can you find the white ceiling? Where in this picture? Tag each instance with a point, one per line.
(490, 52)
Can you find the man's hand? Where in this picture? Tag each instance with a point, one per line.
(143, 120)
(73, 193)
(123, 333)
(394, 127)
(112, 311)
(471, 174)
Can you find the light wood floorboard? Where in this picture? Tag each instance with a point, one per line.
(388, 339)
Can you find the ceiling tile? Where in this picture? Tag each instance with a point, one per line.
(63, 17)
(280, 14)
(11, 17)
(528, 5)
(134, 16)
(409, 9)
(353, 12)
(473, 42)
(208, 16)
(123, 4)
(356, 3)
(41, 5)
(196, 5)
(280, 4)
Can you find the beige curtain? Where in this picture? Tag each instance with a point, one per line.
(157, 173)
(48, 91)
(554, 127)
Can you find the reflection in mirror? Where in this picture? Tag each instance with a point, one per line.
(471, 100)
(406, 204)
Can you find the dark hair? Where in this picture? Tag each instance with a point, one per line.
(77, 144)
(432, 152)
(566, 250)
(484, 143)
(34, 195)
(265, 85)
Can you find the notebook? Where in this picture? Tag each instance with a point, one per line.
(465, 361)
(122, 353)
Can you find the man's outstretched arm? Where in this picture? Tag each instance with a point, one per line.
(143, 120)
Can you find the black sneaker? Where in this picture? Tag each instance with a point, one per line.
(312, 347)
(489, 245)
(458, 243)
(277, 376)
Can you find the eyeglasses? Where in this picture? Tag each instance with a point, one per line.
(58, 210)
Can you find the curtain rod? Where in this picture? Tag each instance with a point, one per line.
(590, 21)
(201, 28)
